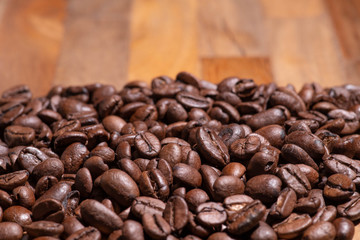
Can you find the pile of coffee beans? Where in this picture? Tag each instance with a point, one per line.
(180, 159)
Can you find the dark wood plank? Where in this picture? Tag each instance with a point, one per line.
(257, 68)
(30, 37)
(96, 43)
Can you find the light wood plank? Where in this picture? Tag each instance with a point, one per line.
(257, 68)
(231, 29)
(304, 49)
(163, 38)
(95, 47)
(30, 37)
(292, 9)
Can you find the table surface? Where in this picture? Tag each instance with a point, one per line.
(73, 42)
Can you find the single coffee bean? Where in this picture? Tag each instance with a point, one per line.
(154, 184)
(30, 157)
(284, 205)
(18, 135)
(226, 186)
(295, 155)
(176, 213)
(246, 218)
(264, 187)
(73, 157)
(326, 214)
(211, 147)
(350, 209)
(292, 176)
(195, 197)
(12, 180)
(96, 214)
(142, 205)
(147, 144)
(44, 228)
(85, 234)
(263, 231)
(320, 230)
(10, 231)
(187, 175)
(339, 187)
(344, 228)
(292, 226)
(155, 226)
(120, 186)
(211, 214)
(24, 196)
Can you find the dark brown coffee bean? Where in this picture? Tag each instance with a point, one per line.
(12, 180)
(245, 148)
(284, 205)
(344, 228)
(190, 100)
(147, 144)
(292, 176)
(142, 205)
(96, 214)
(211, 147)
(247, 218)
(276, 115)
(292, 226)
(73, 157)
(44, 228)
(120, 186)
(195, 197)
(132, 230)
(263, 231)
(17, 214)
(85, 234)
(49, 167)
(307, 141)
(155, 226)
(106, 153)
(220, 236)
(326, 214)
(275, 134)
(18, 135)
(339, 187)
(48, 209)
(197, 229)
(320, 230)
(264, 187)
(24, 196)
(30, 157)
(154, 184)
(44, 184)
(187, 175)
(176, 213)
(10, 231)
(295, 155)
(263, 162)
(226, 186)
(83, 182)
(350, 209)
(211, 214)
(96, 166)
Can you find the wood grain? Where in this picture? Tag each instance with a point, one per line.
(95, 46)
(216, 69)
(30, 37)
(224, 29)
(304, 49)
(163, 38)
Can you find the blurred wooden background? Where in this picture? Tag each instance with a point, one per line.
(72, 42)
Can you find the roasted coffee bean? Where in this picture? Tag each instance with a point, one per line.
(49, 167)
(263, 162)
(85, 233)
(292, 226)
(176, 213)
(247, 218)
(155, 226)
(18, 135)
(17, 214)
(211, 214)
(339, 187)
(226, 186)
(154, 184)
(12, 180)
(24, 196)
(276, 115)
(132, 230)
(264, 187)
(350, 209)
(344, 228)
(292, 176)
(30, 157)
(10, 231)
(73, 157)
(296, 155)
(320, 230)
(142, 205)
(195, 197)
(326, 214)
(284, 205)
(307, 141)
(190, 100)
(220, 236)
(120, 186)
(211, 147)
(147, 144)
(83, 182)
(44, 228)
(96, 214)
(187, 175)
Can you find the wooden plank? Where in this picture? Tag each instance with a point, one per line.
(304, 49)
(95, 47)
(345, 16)
(233, 28)
(292, 9)
(163, 38)
(257, 68)
(30, 37)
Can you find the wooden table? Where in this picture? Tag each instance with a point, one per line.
(49, 42)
